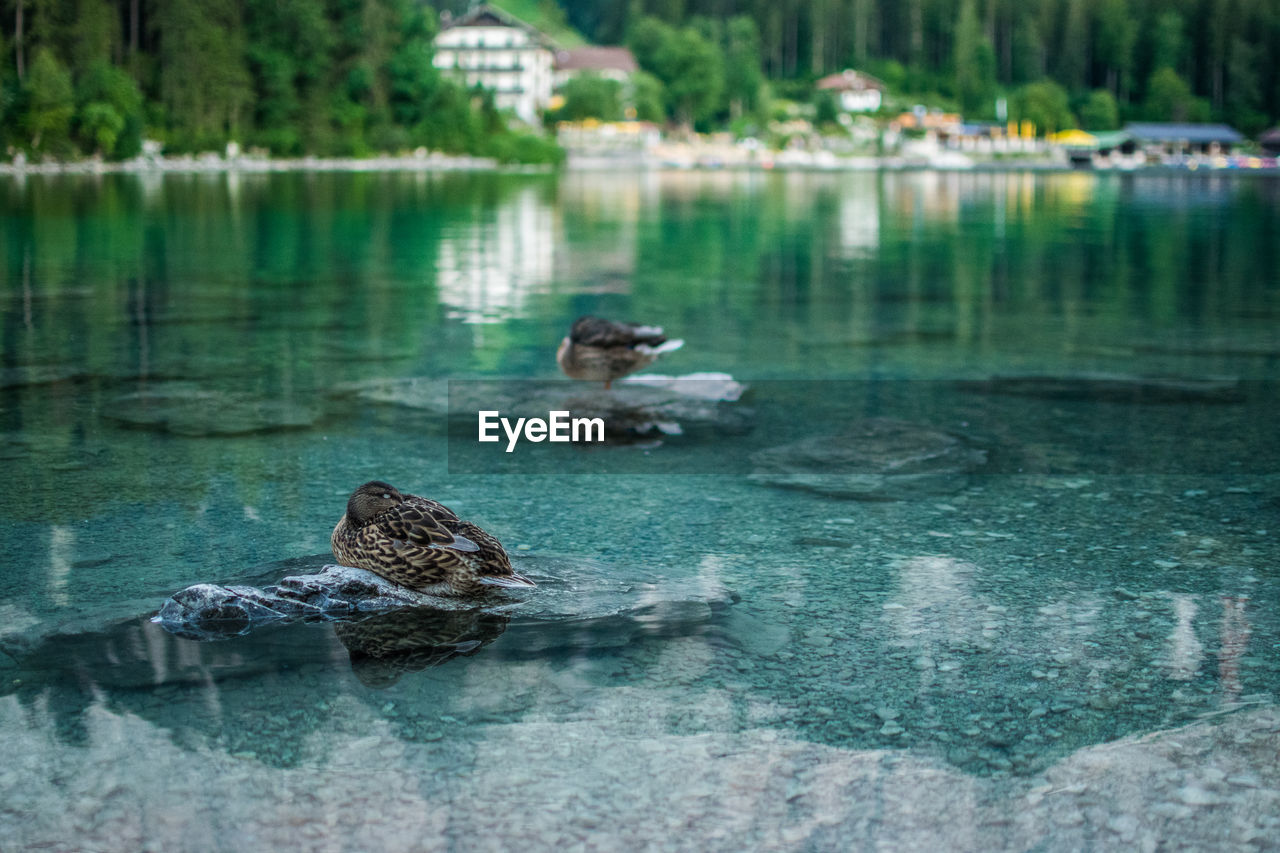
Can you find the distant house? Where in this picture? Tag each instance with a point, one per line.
(1270, 142)
(614, 63)
(1179, 138)
(855, 91)
(489, 48)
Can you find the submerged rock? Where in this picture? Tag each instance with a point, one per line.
(872, 459)
(636, 405)
(567, 589)
(1113, 387)
(212, 611)
(185, 409)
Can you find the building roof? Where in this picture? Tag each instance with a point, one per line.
(596, 59)
(1197, 134)
(484, 15)
(849, 80)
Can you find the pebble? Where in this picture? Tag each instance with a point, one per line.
(1125, 825)
(1177, 811)
(1194, 795)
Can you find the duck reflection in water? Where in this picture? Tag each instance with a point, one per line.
(386, 646)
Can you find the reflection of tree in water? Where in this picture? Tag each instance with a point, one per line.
(385, 646)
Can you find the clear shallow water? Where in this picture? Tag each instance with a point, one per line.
(1085, 632)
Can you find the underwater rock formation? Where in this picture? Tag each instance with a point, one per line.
(185, 409)
(872, 459)
(212, 611)
(1113, 387)
(637, 405)
(568, 590)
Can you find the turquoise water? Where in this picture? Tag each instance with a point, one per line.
(1074, 643)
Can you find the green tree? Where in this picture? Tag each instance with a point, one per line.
(1027, 48)
(109, 116)
(1045, 104)
(1071, 69)
(205, 84)
(647, 97)
(692, 70)
(646, 38)
(743, 77)
(1100, 111)
(1116, 31)
(50, 103)
(1244, 92)
(95, 33)
(411, 73)
(1168, 43)
(591, 96)
(974, 62)
(1169, 98)
(289, 52)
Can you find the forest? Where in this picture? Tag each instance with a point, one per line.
(355, 77)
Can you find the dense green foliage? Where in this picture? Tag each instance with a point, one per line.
(1157, 59)
(326, 77)
(354, 77)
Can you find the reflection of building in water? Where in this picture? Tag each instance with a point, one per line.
(62, 540)
(859, 220)
(1185, 651)
(588, 200)
(1234, 638)
(924, 197)
(487, 269)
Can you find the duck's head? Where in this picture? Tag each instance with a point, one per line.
(370, 499)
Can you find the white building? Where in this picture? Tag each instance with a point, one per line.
(487, 47)
(857, 92)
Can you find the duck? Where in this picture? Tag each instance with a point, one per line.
(420, 544)
(602, 350)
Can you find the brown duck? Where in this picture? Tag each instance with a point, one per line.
(602, 351)
(419, 543)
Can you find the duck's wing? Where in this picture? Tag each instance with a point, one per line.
(598, 332)
(416, 523)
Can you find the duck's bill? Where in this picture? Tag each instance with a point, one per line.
(511, 581)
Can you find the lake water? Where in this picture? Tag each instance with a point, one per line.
(1072, 641)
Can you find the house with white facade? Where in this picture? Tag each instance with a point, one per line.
(489, 48)
(855, 91)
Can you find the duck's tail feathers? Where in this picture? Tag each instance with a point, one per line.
(664, 347)
(511, 581)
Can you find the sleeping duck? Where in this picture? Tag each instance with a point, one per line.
(602, 350)
(419, 543)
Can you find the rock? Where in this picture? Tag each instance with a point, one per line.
(212, 611)
(636, 405)
(319, 615)
(873, 459)
(568, 589)
(1113, 387)
(185, 409)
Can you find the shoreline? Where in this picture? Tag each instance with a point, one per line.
(442, 163)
